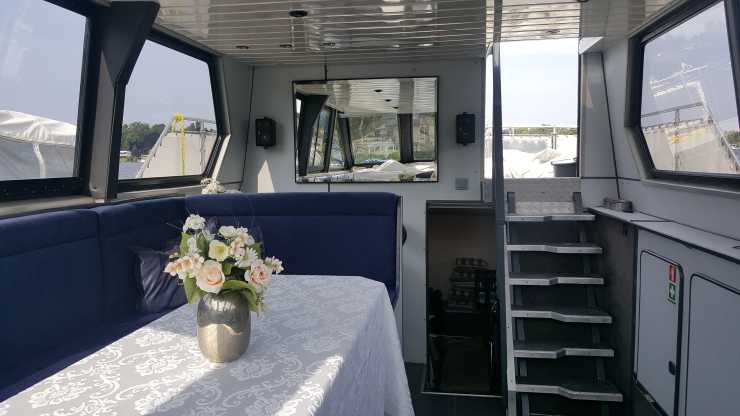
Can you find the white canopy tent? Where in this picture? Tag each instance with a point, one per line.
(33, 147)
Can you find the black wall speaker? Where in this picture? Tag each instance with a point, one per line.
(465, 126)
(265, 132)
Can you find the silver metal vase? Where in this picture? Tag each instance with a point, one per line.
(224, 326)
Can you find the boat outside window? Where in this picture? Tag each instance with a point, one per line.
(169, 126)
(539, 103)
(41, 58)
(688, 112)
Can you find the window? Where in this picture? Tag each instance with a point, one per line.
(169, 122)
(337, 152)
(319, 137)
(424, 136)
(38, 100)
(688, 111)
(539, 104)
(374, 138)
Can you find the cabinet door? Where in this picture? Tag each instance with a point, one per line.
(657, 327)
(714, 341)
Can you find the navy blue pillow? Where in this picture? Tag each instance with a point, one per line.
(159, 291)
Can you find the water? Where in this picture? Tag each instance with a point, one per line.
(128, 170)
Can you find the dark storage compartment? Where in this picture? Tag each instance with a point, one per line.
(462, 311)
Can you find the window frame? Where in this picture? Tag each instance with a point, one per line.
(75, 184)
(636, 58)
(322, 167)
(168, 41)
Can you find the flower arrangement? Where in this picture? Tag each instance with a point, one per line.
(212, 186)
(229, 260)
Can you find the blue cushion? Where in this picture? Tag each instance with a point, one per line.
(158, 290)
(151, 224)
(317, 233)
(51, 282)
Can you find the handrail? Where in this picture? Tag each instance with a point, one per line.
(165, 131)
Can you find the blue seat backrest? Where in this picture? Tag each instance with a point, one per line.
(152, 224)
(316, 233)
(50, 280)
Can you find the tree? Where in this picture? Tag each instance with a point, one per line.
(139, 137)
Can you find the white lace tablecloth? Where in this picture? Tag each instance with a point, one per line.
(327, 345)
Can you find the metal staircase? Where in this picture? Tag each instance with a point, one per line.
(555, 356)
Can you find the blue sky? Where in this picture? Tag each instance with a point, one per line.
(539, 83)
(41, 52)
(41, 57)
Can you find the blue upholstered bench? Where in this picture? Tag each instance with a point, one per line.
(67, 277)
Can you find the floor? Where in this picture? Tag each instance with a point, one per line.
(439, 405)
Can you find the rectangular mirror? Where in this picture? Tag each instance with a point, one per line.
(366, 130)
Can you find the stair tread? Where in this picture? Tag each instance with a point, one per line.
(550, 279)
(571, 389)
(562, 313)
(563, 248)
(549, 217)
(554, 350)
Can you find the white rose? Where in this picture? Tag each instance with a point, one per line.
(194, 222)
(218, 250)
(210, 277)
(227, 231)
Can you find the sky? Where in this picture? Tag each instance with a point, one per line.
(539, 83)
(41, 53)
(41, 48)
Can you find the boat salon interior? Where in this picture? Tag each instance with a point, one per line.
(378, 207)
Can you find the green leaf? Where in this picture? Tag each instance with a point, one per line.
(184, 238)
(202, 244)
(192, 291)
(236, 285)
(251, 299)
(227, 267)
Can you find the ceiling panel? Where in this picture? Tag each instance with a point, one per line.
(381, 96)
(263, 32)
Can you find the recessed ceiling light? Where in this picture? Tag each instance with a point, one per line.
(395, 107)
(426, 44)
(286, 45)
(298, 13)
(329, 44)
(387, 100)
(378, 90)
(241, 47)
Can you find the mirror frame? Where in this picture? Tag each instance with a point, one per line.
(295, 116)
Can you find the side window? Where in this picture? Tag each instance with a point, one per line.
(169, 126)
(688, 112)
(41, 58)
(319, 137)
(336, 161)
(424, 136)
(540, 119)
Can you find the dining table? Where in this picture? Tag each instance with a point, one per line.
(323, 346)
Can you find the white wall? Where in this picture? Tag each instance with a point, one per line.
(237, 76)
(709, 209)
(461, 88)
